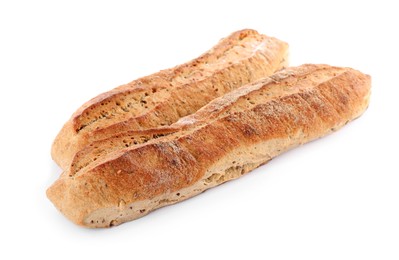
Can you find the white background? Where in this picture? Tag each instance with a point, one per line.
(335, 198)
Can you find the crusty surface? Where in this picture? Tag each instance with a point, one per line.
(97, 149)
(222, 141)
(162, 98)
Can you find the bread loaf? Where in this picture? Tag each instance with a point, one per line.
(222, 141)
(164, 97)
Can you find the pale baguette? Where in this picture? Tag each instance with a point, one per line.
(222, 141)
(164, 97)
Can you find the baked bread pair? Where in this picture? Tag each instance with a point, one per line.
(172, 135)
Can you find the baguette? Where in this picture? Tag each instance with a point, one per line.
(164, 97)
(222, 141)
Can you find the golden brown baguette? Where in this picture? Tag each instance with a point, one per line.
(222, 141)
(164, 97)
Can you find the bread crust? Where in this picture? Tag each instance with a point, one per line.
(162, 98)
(222, 141)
